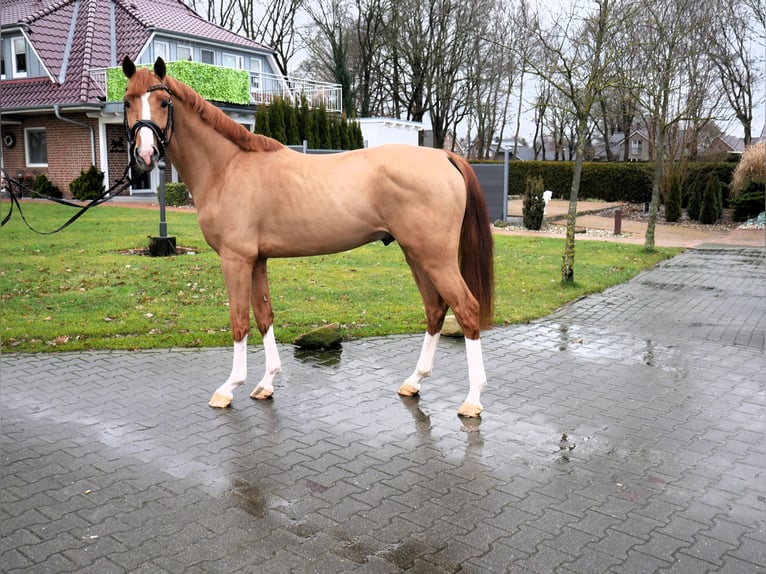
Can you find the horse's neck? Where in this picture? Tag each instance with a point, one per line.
(198, 153)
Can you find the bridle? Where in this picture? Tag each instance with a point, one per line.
(162, 136)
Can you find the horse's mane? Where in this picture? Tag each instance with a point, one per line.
(215, 118)
(220, 122)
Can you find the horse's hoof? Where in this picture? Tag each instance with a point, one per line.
(407, 390)
(220, 401)
(261, 394)
(469, 410)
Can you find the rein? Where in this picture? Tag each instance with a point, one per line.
(162, 136)
(119, 186)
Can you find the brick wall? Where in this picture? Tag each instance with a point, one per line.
(69, 150)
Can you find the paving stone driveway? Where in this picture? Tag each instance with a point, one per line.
(624, 433)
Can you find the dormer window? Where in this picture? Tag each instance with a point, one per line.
(19, 48)
(162, 50)
(184, 53)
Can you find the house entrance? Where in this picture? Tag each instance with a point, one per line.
(142, 182)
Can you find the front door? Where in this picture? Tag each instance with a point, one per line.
(142, 183)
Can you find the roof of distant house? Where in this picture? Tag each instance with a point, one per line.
(73, 37)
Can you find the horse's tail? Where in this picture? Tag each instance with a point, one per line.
(476, 246)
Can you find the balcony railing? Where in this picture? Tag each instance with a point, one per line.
(265, 88)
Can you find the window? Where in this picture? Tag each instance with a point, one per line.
(636, 147)
(232, 61)
(2, 62)
(162, 50)
(255, 75)
(184, 53)
(19, 46)
(207, 56)
(35, 147)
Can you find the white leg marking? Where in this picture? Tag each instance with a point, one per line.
(238, 372)
(424, 366)
(477, 378)
(265, 388)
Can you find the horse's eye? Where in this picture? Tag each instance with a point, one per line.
(127, 104)
(165, 103)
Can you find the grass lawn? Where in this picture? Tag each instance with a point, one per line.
(77, 290)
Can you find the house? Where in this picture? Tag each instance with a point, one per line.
(55, 116)
(638, 147)
(724, 146)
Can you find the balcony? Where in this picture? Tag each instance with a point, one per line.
(263, 88)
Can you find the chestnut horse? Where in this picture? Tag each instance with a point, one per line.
(257, 199)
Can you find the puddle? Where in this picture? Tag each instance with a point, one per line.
(319, 357)
(253, 501)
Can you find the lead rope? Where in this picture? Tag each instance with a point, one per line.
(119, 186)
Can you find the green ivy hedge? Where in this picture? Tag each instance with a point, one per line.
(211, 82)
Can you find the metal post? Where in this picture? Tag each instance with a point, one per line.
(163, 223)
(162, 245)
(506, 170)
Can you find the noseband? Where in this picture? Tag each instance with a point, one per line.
(162, 136)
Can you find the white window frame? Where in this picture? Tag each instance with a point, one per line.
(636, 146)
(206, 51)
(2, 56)
(15, 53)
(184, 47)
(239, 61)
(256, 74)
(27, 137)
(160, 46)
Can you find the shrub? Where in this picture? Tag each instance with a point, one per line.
(43, 186)
(176, 194)
(752, 167)
(694, 204)
(711, 200)
(749, 202)
(673, 201)
(698, 175)
(534, 204)
(89, 185)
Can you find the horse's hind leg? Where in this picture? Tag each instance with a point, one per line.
(436, 309)
(237, 276)
(264, 318)
(453, 289)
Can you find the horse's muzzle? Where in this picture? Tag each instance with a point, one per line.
(145, 162)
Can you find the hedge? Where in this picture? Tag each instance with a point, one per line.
(628, 182)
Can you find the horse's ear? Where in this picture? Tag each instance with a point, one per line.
(128, 67)
(159, 68)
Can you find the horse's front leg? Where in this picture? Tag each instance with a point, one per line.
(237, 273)
(264, 318)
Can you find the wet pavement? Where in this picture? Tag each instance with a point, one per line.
(624, 433)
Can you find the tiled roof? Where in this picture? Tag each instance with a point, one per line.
(48, 25)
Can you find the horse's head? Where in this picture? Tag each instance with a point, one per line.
(148, 114)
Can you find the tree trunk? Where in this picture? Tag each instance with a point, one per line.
(567, 265)
(655, 201)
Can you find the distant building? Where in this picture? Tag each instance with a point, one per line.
(381, 131)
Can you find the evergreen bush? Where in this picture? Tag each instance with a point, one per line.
(176, 194)
(534, 204)
(710, 201)
(44, 187)
(673, 201)
(89, 185)
(694, 204)
(749, 202)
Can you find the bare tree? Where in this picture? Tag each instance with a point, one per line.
(668, 36)
(731, 51)
(578, 52)
(329, 46)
